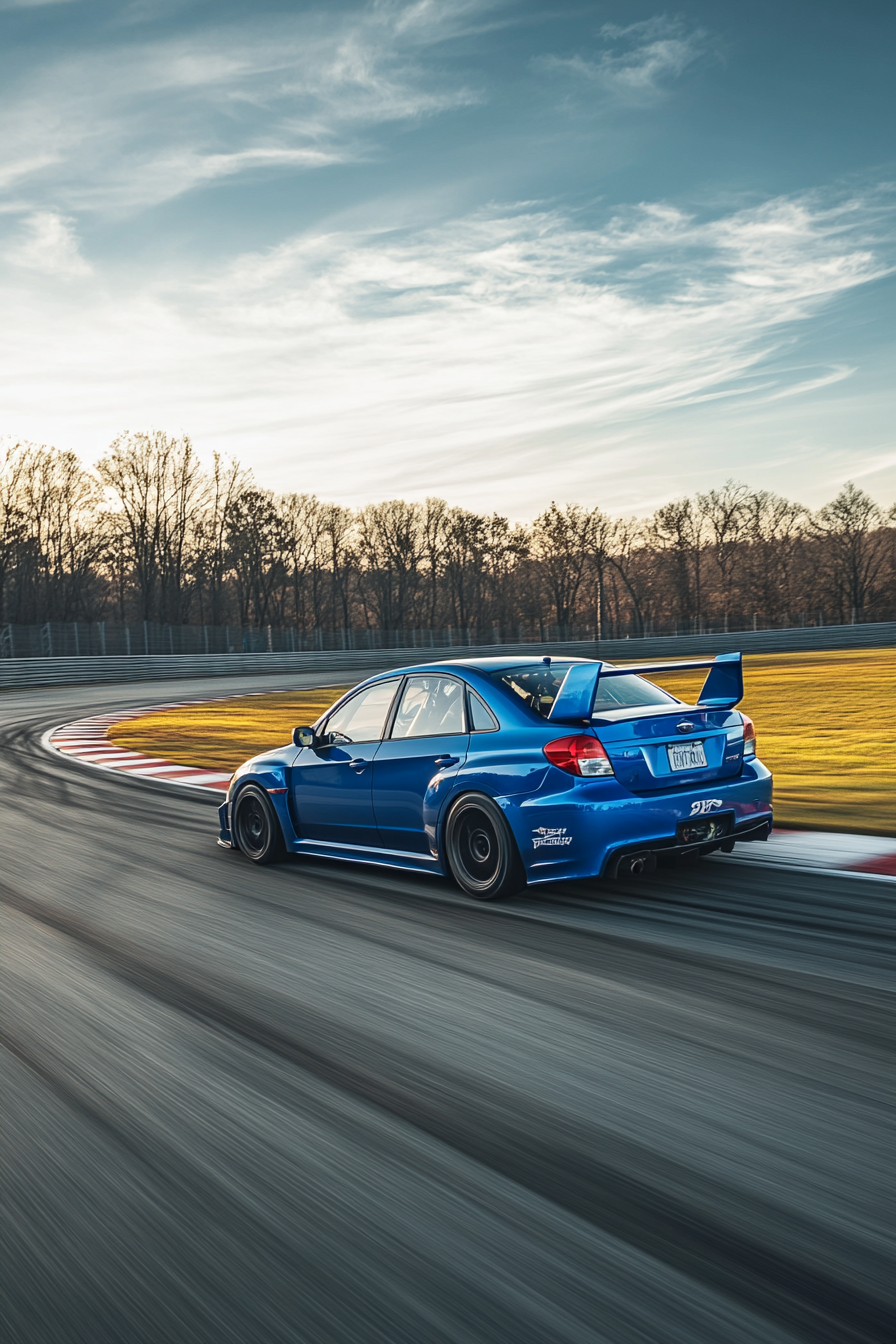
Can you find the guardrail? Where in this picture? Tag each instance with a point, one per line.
(27, 672)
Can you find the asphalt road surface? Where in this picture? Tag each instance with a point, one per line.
(329, 1103)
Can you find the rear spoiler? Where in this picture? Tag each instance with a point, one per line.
(723, 688)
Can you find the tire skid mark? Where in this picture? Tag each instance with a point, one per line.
(586, 1171)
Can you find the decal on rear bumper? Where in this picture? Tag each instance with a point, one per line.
(701, 806)
(550, 835)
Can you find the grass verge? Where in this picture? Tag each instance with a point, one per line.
(223, 733)
(824, 724)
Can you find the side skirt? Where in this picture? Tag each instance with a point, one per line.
(385, 858)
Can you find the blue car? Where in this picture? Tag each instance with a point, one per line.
(503, 772)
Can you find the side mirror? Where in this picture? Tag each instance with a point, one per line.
(303, 737)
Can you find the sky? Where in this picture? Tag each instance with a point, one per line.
(499, 252)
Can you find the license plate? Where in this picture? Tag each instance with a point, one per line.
(687, 756)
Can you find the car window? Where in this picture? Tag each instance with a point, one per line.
(536, 683)
(430, 707)
(629, 692)
(363, 718)
(482, 720)
(539, 683)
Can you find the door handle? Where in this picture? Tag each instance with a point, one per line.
(358, 764)
(442, 761)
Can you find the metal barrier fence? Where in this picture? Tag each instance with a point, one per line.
(59, 671)
(109, 639)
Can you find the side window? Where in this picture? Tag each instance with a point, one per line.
(430, 707)
(482, 720)
(363, 718)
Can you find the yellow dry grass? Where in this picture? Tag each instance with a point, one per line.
(223, 733)
(824, 723)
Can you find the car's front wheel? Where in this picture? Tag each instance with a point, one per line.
(481, 851)
(256, 828)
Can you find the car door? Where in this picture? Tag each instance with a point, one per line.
(428, 737)
(331, 782)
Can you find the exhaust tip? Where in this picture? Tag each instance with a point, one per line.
(636, 865)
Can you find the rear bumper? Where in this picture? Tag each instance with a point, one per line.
(583, 828)
(665, 849)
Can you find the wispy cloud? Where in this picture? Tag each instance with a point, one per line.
(499, 345)
(30, 4)
(634, 64)
(48, 243)
(137, 121)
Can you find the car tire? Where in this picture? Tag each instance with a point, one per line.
(481, 851)
(256, 829)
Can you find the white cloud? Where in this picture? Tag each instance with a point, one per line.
(48, 243)
(298, 91)
(635, 64)
(510, 348)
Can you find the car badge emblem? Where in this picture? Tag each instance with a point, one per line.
(685, 726)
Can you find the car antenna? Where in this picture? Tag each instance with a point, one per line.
(546, 661)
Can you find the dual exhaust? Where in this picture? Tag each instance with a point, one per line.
(700, 836)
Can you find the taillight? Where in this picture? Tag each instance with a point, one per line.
(749, 736)
(579, 755)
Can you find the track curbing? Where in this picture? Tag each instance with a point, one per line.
(87, 742)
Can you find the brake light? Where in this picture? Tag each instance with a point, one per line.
(749, 736)
(579, 755)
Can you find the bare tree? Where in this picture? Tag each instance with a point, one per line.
(464, 549)
(774, 528)
(391, 547)
(726, 513)
(857, 547)
(338, 536)
(160, 489)
(603, 545)
(433, 528)
(227, 481)
(48, 508)
(152, 535)
(563, 543)
(506, 549)
(634, 562)
(676, 530)
(255, 552)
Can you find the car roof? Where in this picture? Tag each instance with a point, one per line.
(496, 664)
(476, 665)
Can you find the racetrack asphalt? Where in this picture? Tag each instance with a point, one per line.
(324, 1102)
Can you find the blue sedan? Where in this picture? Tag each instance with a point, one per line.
(503, 772)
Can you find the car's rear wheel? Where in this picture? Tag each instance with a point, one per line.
(481, 851)
(256, 828)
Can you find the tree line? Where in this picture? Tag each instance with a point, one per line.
(149, 534)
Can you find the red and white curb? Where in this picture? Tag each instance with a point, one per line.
(87, 741)
(824, 851)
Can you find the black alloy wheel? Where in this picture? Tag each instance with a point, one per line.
(481, 851)
(256, 828)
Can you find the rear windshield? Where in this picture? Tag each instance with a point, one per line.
(538, 684)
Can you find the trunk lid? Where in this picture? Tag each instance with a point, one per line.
(652, 748)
